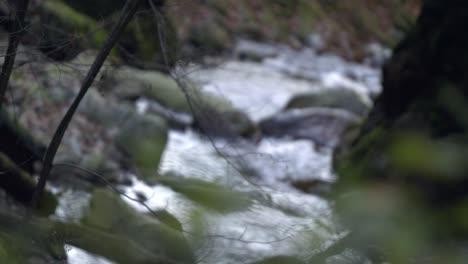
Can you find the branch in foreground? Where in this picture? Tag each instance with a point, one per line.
(18, 15)
(128, 12)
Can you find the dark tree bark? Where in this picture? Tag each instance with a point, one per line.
(422, 186)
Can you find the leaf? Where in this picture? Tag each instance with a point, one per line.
(211, 195)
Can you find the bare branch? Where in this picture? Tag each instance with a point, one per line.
(128, 12)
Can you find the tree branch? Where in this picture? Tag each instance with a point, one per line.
(128, 12)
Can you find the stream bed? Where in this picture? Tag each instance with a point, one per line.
(282, 220)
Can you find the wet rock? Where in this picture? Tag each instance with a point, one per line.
(105, 111)
(324, 126)
(213, 114)
(340, 98)
(142, 139)
(313, 186)
(108, 213)
(315, 41)
(175, 119)
(128, 83)
(250, 50)
(227, 125)
(376, 54)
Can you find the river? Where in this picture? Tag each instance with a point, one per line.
(282, 219)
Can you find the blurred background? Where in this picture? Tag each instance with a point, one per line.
(238, 131)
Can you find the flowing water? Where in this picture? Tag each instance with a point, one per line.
(282, 220)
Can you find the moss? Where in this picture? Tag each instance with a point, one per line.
(211, 36)
(143, 139)
(68, 15)
(140, 44)
(77, 31)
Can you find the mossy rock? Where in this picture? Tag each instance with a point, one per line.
(68, 27)
(108, 213)
(210, 36)
(208, 108)
(105, 112)
(143, 139)
(141, 46)
(346, 99)
(64, 32)
(130, 83)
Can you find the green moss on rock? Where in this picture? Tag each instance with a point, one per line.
(143, 139)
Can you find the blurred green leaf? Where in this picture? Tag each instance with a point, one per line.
(419, 154)
(211, 195)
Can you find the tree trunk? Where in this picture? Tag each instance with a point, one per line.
(405, 175)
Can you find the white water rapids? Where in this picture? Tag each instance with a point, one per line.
(283, 220)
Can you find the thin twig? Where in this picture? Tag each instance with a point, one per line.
(128, 12)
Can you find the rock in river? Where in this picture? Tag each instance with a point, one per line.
(324, 126)
(341, 98)
(143, 139)
(213, 114)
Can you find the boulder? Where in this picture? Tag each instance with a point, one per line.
(58, 26)
(105, 111)
(324, 126)
(340, 98)
(61, 29)
(207, 108)
(142, 138)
